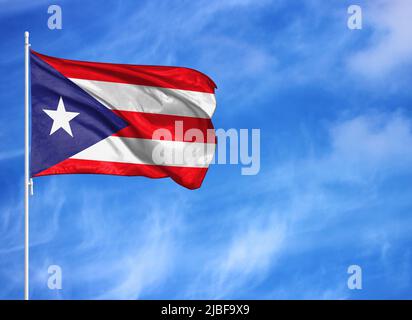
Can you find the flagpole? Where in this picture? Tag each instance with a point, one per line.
(26, 165)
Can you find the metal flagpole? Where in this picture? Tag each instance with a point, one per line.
(27, 180)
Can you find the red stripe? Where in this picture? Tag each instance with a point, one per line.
(155, 76)
(190, 178)
(143, 125)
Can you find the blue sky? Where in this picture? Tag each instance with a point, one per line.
(334, 109)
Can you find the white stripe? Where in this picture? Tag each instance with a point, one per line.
(129, 97)
(146, 151)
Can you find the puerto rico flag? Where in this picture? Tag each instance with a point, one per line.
(119, 119)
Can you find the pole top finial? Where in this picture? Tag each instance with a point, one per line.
(26, 38)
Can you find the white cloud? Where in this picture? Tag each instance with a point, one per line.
(12, 221)
(391, 45)
(129, 262)
(307, 204)
(364, 151)
(373, 141)
(242, 258)
(143, 267)
(119, 262)
(114, 258)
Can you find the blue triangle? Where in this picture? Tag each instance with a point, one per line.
(95, 122)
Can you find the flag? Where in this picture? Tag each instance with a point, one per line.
(119, 119)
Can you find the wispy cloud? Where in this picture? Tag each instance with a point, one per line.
(243, 258)
(342, 196)
(313, 201)
(106, 258)
(390, 47)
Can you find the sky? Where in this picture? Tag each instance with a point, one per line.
(334, 189)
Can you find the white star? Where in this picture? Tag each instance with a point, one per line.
(61, 118)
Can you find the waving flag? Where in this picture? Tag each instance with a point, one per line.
(119, 119)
